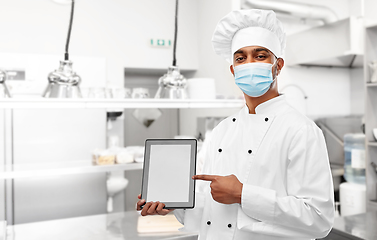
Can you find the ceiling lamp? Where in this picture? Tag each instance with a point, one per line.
(173, 84)
(3, 77)
(64, 82)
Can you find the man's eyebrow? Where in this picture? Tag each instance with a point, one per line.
(261, 49)
(254, 50)
(238, 51)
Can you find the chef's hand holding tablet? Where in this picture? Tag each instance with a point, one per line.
(151, 208)
(167, 183)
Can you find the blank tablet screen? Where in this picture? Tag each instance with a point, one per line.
(169, 165)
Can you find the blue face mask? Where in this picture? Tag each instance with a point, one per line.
(254, 79)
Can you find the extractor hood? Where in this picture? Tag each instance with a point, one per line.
(337, 44)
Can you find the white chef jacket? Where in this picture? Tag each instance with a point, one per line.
(280, 156)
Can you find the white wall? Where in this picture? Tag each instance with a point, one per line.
(37, 67)
(328, 89)
(370, 10)
(118, 30)
(210, 65)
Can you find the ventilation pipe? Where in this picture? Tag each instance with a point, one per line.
(296, 9)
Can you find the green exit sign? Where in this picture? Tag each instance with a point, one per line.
(160, 42)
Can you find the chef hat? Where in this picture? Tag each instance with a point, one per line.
(253, 27)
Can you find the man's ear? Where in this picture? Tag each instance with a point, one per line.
(231, 69)
(280, 65)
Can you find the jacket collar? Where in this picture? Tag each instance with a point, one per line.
(272, 106)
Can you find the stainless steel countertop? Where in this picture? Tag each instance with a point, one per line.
(123, 225)
(113, 226)
(361, 225)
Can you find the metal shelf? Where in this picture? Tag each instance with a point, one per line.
(371, 84)
(370, 24)
(370, 110)
(61, 168)
(42, 103)
(372, 144)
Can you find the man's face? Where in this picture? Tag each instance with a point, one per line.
(253, 54)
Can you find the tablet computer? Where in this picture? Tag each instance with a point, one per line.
(169, 165)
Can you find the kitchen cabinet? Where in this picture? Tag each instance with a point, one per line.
(370, 114)
(337, 44)
(59, 137)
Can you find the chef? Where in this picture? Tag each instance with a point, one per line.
(266, 174)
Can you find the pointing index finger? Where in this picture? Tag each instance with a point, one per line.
(204, 177)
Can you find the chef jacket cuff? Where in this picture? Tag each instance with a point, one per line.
(258, 202)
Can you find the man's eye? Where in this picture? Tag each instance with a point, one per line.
(261, 57)
(239, 59)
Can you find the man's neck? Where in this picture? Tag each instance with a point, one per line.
(253, 102)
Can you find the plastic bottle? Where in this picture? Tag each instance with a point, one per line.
(354, 158)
